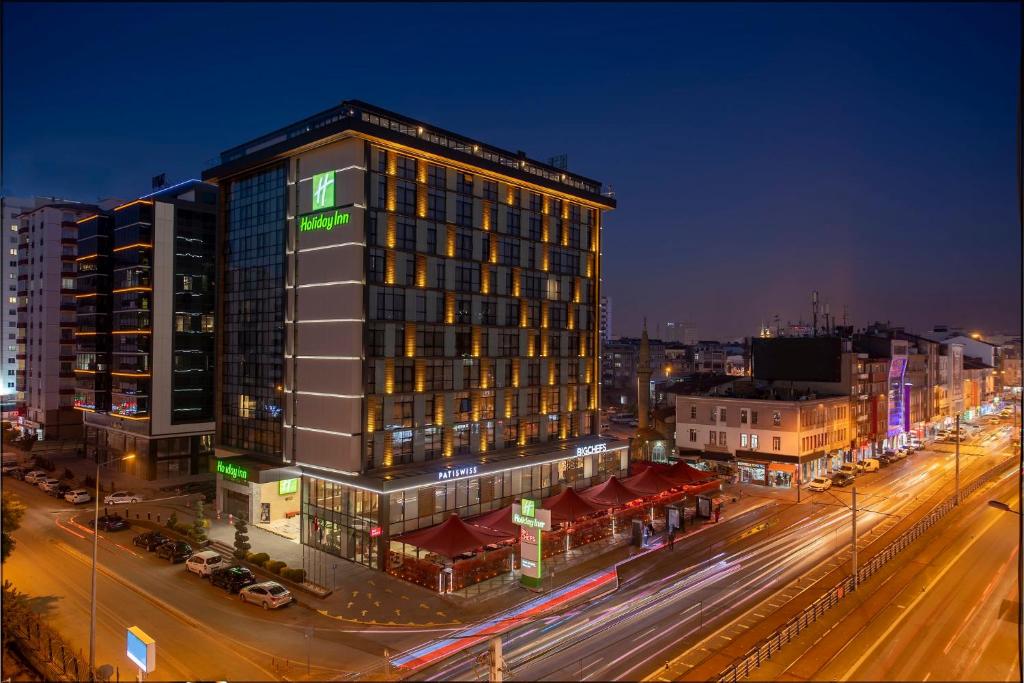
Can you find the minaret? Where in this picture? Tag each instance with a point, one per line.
(643, 381)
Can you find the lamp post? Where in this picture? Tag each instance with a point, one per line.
(95, 548)
(958, 458)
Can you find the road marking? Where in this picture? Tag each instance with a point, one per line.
(644, 634)
(868, 652)
(927, 676)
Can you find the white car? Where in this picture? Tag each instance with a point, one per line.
(77, 496)
(204, 562)
(48, 484)
(118, 497)
(269, 594)
(819, 484)
(869, 465)
(35, 476)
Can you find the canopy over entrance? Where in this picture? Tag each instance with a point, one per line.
(499, 520)
(611, 493)
(452, 537)
(567, 506)
(649, 483)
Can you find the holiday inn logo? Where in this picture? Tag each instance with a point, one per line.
(325, 220)
(323, 190)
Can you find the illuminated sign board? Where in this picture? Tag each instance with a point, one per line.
(522, 520)
(323, 191)
(528, 507)
(232, 470)
(591, 450)
(456, 473)
(375, 531)
(531, 520)
(325, 220)
(141, 649)
(286, 486)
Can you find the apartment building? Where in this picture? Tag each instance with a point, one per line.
(10, 209)
(765, 433)
(48, 246)
(410, 327)
(144, 344)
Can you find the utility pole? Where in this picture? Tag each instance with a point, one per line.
(854, 540)
(958, 458)
(497, 666)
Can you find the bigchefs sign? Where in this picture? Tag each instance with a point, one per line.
(591, 450)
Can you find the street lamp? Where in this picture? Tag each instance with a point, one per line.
(1000, 505)
(95, 548)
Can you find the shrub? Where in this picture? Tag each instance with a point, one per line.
(274, 566)
(185, 529)
(172, 521)
(68, 474)
(258, 558)
(198, 532)
(241, 539)
(296, 575)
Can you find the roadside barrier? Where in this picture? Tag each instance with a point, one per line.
(39, 644)
(763, 651)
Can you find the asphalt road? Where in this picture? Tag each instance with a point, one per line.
(201, 632)
(683, 600)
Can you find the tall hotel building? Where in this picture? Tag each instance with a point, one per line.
(409, 326)
(144, 342)
(48, 238)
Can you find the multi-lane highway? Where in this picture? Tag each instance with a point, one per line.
(683, 604)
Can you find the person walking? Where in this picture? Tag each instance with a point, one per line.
(718, 512)
(671, 538)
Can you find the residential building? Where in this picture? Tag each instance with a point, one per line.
(606, 319)
(979, 387)
(10, 209)
(144, 363)
(619, 361)
(709, 358)
(48, 238)
(410, 326)
(681, 332)
(764, 432)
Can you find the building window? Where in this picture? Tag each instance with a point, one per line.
(693, 436)
(776, 443)
(693, 412)
(713, 438)
(743, 416)
(753, 442)
(743, 440)
(753, 417)
(776, 418)
(721, 438)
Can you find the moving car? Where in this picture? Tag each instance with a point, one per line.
(174, 551)
(842, 479)
(47, 484)
(77, 496)
(870, 464)
(204, 562)
(150, 540)
(232, 579)
(819, 484)
(118, 497)
(269, 594)
(112, 523)
(35, 476)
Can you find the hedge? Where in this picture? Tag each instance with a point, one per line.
(258, 558)
(296, 575)
(274, 566)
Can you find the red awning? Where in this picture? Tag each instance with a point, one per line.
(679, 473)
(567, 506)
(499, 520)
(649, 483)
(451, 537)
(610, 493)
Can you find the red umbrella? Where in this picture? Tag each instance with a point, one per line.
(500, 520)
(611, 493)
(567, 506)
(452, 537)
(679, 473)
(649, 483)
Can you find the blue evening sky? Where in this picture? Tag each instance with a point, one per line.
(757, 151)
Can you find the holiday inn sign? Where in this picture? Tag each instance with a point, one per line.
(324, 216)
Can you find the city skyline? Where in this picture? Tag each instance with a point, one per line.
(914, 112)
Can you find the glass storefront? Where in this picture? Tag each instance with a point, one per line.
(340, 520)
(752, 473)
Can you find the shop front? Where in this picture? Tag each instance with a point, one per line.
(355, 517)
(262, 494)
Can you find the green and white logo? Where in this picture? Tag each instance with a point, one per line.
(323, 190)
(528, 507)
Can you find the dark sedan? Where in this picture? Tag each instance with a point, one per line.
(60, 490)
(112, 523)
(842, 479)
(174, 551)
(150, 540)
(232, 579)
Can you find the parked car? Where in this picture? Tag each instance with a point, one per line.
(60, 490)
(20, 472)
(35, 476)
(942, 434)
(9, 467)
(77, 496)
(870, 464)
(47, 484)
(850, 468)
(886, 458)
(232, 579)
(916, 446)
(819, 484)
(842, 479)
(202, 563)
(150, 540)
(118, 497)
(269, 594)
(112, 523)
(174, 551)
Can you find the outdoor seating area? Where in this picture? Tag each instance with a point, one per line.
(459, 553)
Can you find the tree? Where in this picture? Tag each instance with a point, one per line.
(241, 539)
(172, 521)
(199, 523)
(13, 511)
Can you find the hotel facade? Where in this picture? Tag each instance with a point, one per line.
(408, 325)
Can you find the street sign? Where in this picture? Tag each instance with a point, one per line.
(141, 649)
(531, 520)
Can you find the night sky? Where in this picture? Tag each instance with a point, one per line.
(757, 152)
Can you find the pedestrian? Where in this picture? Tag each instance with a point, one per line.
(718, 512)
(671, 538)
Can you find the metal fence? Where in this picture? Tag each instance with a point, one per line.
(771, 644)
(40, 645)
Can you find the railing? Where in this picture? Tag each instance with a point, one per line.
(763, 651)
(41, 646)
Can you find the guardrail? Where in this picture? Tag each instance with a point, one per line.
(763, 651)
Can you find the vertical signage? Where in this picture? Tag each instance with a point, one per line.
(323, 191)
(532, 522)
